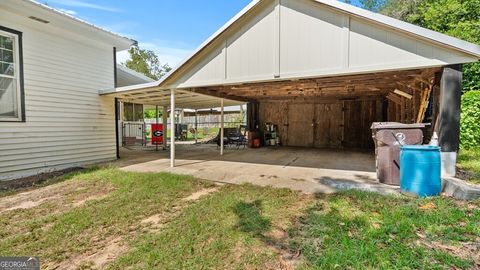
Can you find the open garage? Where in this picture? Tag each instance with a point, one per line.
(320, 72)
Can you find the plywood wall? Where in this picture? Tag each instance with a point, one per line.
(275, 113)
(323, 124)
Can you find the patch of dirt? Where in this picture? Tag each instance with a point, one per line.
(105, 251)
(428, 206)
(33, 180)
(98, 258)
(197, 195)
(464, 174)
(27, 204)
(91, 197)
(464, 250)
(156, 222)
(468, 176)
(279, 240)
(63, 195)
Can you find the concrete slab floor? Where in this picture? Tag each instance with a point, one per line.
(304, 169)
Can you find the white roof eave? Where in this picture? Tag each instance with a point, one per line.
(121, 42)
(134, 73)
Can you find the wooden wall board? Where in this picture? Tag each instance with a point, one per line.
(277, 114)
(300, 125)
(358, 118)
(328, 125)
(333, 124)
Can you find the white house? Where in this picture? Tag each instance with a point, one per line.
(51, 69)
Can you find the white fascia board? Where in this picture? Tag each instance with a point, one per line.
(121, 42)
(129, 88)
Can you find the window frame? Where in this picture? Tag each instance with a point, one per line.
(18, 51)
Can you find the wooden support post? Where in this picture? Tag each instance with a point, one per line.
(172, 128)
(222, 128)
(449, 117)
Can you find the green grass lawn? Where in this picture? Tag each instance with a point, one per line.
(146, 222)
(469, 160)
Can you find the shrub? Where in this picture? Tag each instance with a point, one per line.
(470, 120)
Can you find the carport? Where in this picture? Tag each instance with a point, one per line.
(322, 71)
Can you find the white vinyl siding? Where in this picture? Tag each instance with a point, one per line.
(67, 122)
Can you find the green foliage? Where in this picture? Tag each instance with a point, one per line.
(373, 5)
(57, 229)
(229, 229)
(359, 230)
(456, 18)
(147, 63)
(470, 120)
(405, 10)
(469, 160)
(151, 114)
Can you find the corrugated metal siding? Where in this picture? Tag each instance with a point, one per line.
(304, 38)
(67, 122)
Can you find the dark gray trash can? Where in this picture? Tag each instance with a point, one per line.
(387, 147)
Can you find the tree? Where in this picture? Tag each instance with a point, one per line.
(146, 62)
(403, 10)
(457, 18)
(151, 114)
(373, 5)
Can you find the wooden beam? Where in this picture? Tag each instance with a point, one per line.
(403, 94)
(424, 103)
(394, 98)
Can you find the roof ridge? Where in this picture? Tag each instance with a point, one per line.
(421, 32)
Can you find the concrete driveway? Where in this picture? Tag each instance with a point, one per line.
(304, 169)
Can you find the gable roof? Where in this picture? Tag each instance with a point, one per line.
(66, 21)
(398, 25)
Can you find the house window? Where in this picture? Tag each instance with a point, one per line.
(11, 77)
(132, 112)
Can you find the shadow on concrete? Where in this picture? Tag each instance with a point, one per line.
(334, 159)
(366, 184)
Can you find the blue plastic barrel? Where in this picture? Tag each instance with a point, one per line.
(420, 170)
